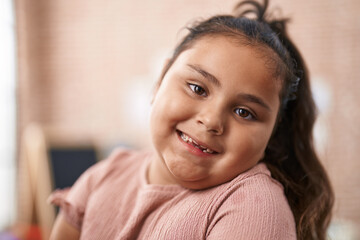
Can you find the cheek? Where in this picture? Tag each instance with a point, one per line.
(169, 108)
(250, 143)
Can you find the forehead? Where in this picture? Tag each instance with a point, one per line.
(231, 58)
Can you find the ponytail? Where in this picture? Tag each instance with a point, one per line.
(290, 155)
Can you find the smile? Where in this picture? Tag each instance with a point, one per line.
(192, 142)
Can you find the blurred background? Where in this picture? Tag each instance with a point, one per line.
(78, 76)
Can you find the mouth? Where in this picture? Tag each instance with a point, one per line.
(187, 139)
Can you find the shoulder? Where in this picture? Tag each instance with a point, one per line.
(119, 161)
(255, 205)
(104, 172)
(74, 201)
(256, 184)
(118, 157)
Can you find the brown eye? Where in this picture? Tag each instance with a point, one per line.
(197, 89)
(243, 113)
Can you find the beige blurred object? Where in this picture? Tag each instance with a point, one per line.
(36, 176)
(35, 182)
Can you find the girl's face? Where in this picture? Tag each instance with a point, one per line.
(213, 114)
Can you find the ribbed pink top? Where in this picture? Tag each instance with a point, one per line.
(112, 200)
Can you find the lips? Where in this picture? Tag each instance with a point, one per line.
(191, 141)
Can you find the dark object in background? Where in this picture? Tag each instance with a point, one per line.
(69, 163)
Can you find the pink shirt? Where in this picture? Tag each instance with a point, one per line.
(112, 200)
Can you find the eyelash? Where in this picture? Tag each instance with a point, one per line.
(196, 89)
(249, 115)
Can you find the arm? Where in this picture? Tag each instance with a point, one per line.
(63, 230)
(72, 202)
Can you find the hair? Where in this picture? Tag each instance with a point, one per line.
(290, 154)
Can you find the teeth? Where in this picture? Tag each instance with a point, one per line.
(184, 137)
(207, 151)
(190, 140)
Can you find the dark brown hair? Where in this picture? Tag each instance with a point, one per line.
(290, 154)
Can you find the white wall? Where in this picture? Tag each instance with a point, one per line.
(7, 113)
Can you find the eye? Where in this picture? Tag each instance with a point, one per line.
(243, 113)
(197, 89)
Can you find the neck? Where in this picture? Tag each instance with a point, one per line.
(158, 173)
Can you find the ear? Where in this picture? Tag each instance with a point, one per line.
(158, 82)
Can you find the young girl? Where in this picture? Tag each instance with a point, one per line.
(233, 158)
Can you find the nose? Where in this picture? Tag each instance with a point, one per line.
(212, 118)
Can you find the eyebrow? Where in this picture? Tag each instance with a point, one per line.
(211, 78)
(254, 99)
(245, 96)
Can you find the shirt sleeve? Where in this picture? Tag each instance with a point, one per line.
(73, 201)
(256, 210)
